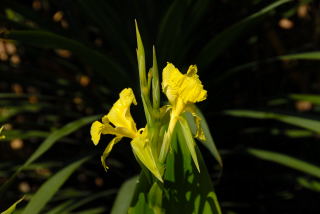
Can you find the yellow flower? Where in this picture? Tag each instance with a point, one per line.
(120, 123)
(181, 90)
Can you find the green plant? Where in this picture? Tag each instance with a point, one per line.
(66, 59)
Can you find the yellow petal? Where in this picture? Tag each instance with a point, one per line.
(187, 88)
(171, 79)
(95, 131)
(142, 150)
(120, 115)
(108, 150)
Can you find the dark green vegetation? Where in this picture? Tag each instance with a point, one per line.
(64, 61)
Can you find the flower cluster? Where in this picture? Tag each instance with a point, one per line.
(182, 90)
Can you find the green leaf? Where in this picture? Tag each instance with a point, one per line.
(110, 24)
(315, 55)
(184, 190)
(302, 122)
(12, 208)
(57, 135)
(224, 39)
(48, 143)
(209, 142)
(124, 196)
(25, 14)
(13, 134)
(143, 77)
(155, 81)
(187, 190)
(315, 99)
(313, 184)
(97, 60)
(286, 160)
(96, 210)
(170, 29)
(50, 187)
(293, 133)
(189, 140)
(10, 111)
(155, 198)
(61, 207)
(86, 200)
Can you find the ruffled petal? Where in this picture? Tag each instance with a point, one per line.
(171, 80)
(187, 88)
(192, 89)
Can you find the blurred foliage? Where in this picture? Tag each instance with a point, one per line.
(62, 61)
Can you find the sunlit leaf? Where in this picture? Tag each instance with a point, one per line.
(12, 208)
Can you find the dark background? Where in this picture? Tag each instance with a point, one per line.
(64, 60)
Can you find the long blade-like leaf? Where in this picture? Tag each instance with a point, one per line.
(124, 197)
(12, 208)
(46, 39)
(286, 160)
(88, 199)
(189, 140)
(50, 187)
(209, 142)
(61, 207)
(315, 99)
(224, 39)
(97, 210)
(48, 143)
(58, 134)
(313, 125)
(315, 55)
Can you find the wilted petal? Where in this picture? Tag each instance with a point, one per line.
(197, 119)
